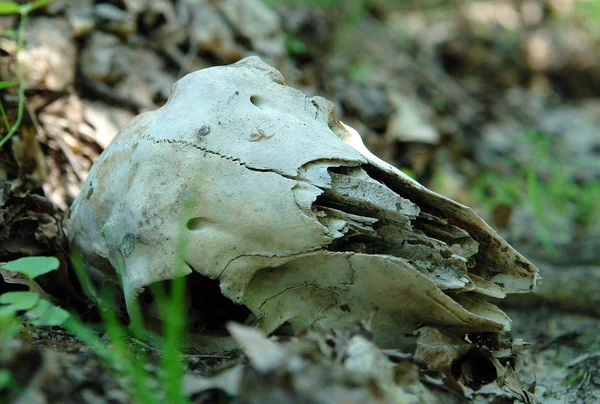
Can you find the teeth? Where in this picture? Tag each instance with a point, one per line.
(302, 226)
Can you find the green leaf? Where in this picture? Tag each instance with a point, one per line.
(29, 7)
(9, 7)
(6, 84)
(9, 324)
(32, 267)
(19, 300)
(5, 378)
(5, 315)
(41, 3)
(45, 313)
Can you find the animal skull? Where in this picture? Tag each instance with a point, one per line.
(289, 212)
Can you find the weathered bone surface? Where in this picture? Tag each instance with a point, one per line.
(282, 204)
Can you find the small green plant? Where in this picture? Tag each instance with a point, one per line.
(360, 71)
(546, 182)
(573, 378)
(39, 311)
(127, 363)
(294, 45)
(121, 356)
(589, 14)
(6, 8)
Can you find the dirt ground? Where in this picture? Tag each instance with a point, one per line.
(562, 358)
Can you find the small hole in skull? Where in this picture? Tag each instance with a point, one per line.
(257, 101)
(160, 99)
(196, 223)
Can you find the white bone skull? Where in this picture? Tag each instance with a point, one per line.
(290, 213)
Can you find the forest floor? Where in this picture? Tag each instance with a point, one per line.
(493, 105)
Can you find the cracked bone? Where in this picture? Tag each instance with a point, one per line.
(284, 207)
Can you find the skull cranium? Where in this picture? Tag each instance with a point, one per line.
(289, 212)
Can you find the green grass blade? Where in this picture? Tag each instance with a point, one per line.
(118, 357)
(126, 361)
(87, 336)
(538, 210)
(172, 366)
(7, 84)
(4, 116)
(21, 102)
(9, 7)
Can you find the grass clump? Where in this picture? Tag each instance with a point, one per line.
(126, 363)
(547, 184)
(8, 8)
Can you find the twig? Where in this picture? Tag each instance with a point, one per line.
(61, 144)
(583, 358)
